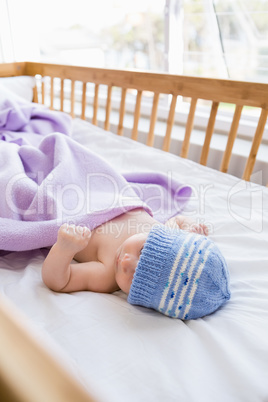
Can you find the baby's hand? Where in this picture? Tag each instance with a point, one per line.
(188, 225)
(73, 238)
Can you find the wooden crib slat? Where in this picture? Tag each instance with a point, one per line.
(72, 97)
(255, 145)
(51, 93)
(84, 101)
(122, 112)
(108, 108)
(43, 92)
(134, 134)
(188, 129)
(62, 94)
(209, 132)
(150, 139)
(35, 94)
(231, 139)
(170, 122)
(95, 105)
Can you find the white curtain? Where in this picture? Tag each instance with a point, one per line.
(18, 30)
(6, 43)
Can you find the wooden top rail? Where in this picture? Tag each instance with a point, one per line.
(216, 90)
(12, 69)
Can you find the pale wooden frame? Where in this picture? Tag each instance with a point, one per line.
(28, 372)
(24, 351)
(236, 93)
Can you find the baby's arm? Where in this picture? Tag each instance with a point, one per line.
(187, 224)
(61, 276)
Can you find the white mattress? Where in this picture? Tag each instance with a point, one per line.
(126, 353)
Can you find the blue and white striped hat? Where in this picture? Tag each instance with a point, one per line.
(180, 274)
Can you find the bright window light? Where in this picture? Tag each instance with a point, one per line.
(213, 38)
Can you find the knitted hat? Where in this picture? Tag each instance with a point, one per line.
(180, 274)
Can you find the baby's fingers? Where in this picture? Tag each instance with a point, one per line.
(83, 231)
(87, 233)
(64, 228)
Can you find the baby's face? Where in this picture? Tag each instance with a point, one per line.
(127, 258)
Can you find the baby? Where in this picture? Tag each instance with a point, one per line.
(157, 266)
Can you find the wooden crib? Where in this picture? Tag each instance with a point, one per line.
(216, 91)
(27, 372)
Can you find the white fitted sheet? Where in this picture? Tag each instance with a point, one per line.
(126, 353)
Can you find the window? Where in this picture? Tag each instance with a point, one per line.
(213, 38)
(226, 39)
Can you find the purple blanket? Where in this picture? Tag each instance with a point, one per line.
(19, 119)
(47, 179)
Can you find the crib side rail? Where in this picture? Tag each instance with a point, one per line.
(237, 93)
(12, 69)
(217, 91)
(28, 372)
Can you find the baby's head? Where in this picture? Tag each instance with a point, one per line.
(182, 275)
